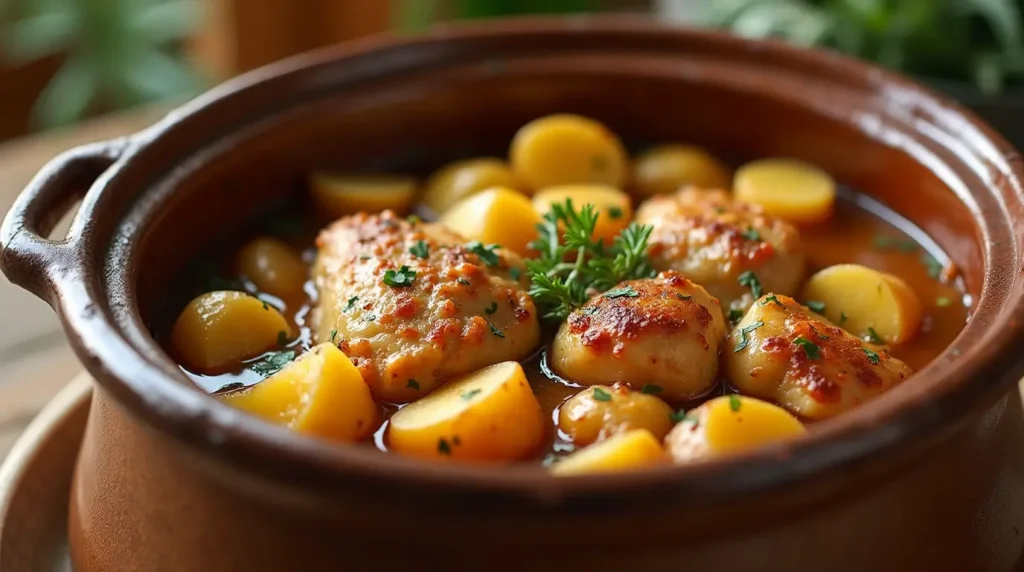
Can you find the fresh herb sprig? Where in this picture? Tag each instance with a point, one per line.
(572, 266)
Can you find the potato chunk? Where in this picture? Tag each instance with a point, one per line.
(565, 149)
(599, 412)
(488, 415)
(344, 194)
(781, 352)
(629, 451)
(321, 393)
(273, 266)
(867, 302)
(221, 329)
(498, 215)
(458, 180)
(730, 424)
(611, 206)
(788, 189)
(662, 332)
(667, 168)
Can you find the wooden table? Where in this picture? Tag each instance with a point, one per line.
(35, 360)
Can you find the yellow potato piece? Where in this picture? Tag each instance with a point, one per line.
(627, 451)
(599, 412)
(220, 329)
(321, 393)
(791, 190)
(863, 300)
(458, 180)
(341, 194)
(273, 266)
(611, 205)
(495, 216)
(488, 415)
(567, 149)
(728, 425)
(667, 168)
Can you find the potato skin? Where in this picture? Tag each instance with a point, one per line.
(218, 330)
(712, 240)
(665, 332)
(567, 149)
(667, 168)
(585, 419)
(273, 266)
(767, 361)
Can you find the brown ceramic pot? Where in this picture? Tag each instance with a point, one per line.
(929, 476)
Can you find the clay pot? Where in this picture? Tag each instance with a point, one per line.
(929, 476)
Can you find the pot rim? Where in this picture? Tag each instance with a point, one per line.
(143, 379)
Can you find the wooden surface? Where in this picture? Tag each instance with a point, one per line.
(35, 361)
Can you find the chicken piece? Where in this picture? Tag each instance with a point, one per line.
(413, 304)
(712, 240)
(663, 333)
(782, 352)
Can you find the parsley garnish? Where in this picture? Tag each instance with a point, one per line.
(744, 336)
(282, 339)
(443, 447)
(334, 334)
(514, 272)
(233, 386)
(412, 219)
(816, 306)
(626, 292)
(684, 297)
(364, 258)
(601, 395)
(934, 267)
(682, 416)
(420, 249)
(873, 336)
(734, 402)
(401, 278)
(471, 394)
(265, 307)
(735, 315)
(749, 279)
(559, 286)
(462, 281)
(886, 242)
(491, 309)
(943, 302)
(614, 213)
(272, 363)
(351, 303)
(413, 384)
(651, 389)
(751, 234)
(872, 356)
(810, 348)
(487, 253)
(842, 318)
(772, 298)
(370, 317)
(495, 330)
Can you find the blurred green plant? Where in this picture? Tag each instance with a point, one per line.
(979, 41)
(413, 15)
(118, 53)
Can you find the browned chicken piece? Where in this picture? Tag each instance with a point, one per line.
(413, 303)
(712, 239)
(663, 332)
(782, 352)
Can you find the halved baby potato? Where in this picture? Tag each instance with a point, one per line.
(599, 412)
(629, 451)
(611, 205)
(321, 393)
(867, 302)
(730, 424)
(273, 266)
(458, 180)
(344, 194)
(220, 329)
(488, 415)
(566, 149)
(667, 168)
(791, 190)
(497, 215)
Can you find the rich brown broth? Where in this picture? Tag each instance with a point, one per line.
(861, 231)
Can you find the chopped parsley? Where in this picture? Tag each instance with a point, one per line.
(933, 266)
(651, 389)
(470, 394)
(413, 219)
(772, 298)
(491, 309)
(625, 292)
(282, 339)
(463, 281)
(684, 297)
(682, 416)
(751, 234)
(873, 336)
(749, 279)
(615, 213)
(495, 330)
(735, 315)
(413, 384)
(842, 318)
(886, 242)
(351, 303)
(233, 386)
(515, 273)
(810, 348)
(601, 395)
(364, 258)
(486, 253)
(745, 336)
(734, 402)
(370, 317)
(265, 307)
(272, 363)
(401, 278)
(443, 447)
(943, 302)
(872, 356)
(334, 334)
(420, 249)
(816, 305)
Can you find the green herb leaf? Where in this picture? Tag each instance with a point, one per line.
(810, 348)
(933, 266)
(334, 334)
(487, 254)
(651, 389)
(734, 402)
(887, 242)
(682, 416)
(443, 447)
(684, 297)
(943, 302)
(770, 299)
(735, 315)
(413, 219)
(626, 292)
(471, 394)
(745, 336)
(491, 309)
(282, 339)
(401, 278)
(413, 384)
(614, 213)
(842, 318)
(233, 386)
(272, 363)
(420, 249)
(495, 330)
(749, 279)
(514, 273)
(751, 234)
(351, 303)
(816, 306)
(873, 336)
(872, 356)
(601, 395)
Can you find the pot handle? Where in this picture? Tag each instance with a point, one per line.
(27, 257)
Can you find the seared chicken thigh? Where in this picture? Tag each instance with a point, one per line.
(782, 352)
(413, 304)
(712, 240)
(663, 332)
